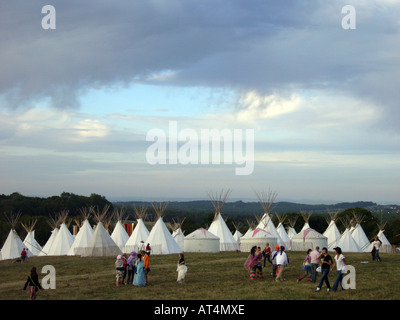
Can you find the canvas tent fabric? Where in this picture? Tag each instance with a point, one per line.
(46, 249)
(259, 237)
(333, 234)
(179, 237)
(201, 240)
(237, 235)
(386, 247)
(360, 237)
(308, 239)
(161, 240)
(119, 235)
(347, 243)
(280, 229)
(62, 242)
(267, 224)
(226, 240)
(12, 247)
(101, 244)
(34, 248)
(140, 233)
(291, 232)
(82, 239)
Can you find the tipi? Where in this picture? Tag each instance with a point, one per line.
(282, 232)
(84, 234)
(308, 239)
(386, 247)
(346, 242)
(54, 223)
(291, 230)
(140, 232)
(119, 234)
(252, 226)
(13, 245)
(266, 200)
(306, 216)
(177, 234)
(201, 240)
(64, 239)
(218, 226)
(160, 239)
(332, 232)
(359, 235)
(237, 235)
(101, 244)
(34, 248)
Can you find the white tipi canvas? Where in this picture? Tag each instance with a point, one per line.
(280, 229)
(82, 239)
(140, 233)
(101, 244)
(12, 247)
(267, 224)
(62, 243)
(47, 247)
(333, 234)
(161, 240)
(360, 237)
(34, 248)
(226, 240)
(179, 237)
(119, 235)
(347, 243)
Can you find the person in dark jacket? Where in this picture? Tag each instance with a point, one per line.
(33, 283)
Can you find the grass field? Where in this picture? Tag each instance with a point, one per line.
(210, 277)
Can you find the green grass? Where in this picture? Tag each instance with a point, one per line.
(210, 277)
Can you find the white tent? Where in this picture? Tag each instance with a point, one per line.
(82, 239)
(306, 216)
(308, 239)
(291, 230)
(178, 234)
(237, 235)
(347, 243)
(46, 249)
(34, 248)
(101, 244)
(218, 226)
(332, 232)
(119, 235)
(13, 245)
(140, 233)
(201, 240)
(280, 229)
(259, 238)
(62, 242)
(386, 246)
(160, 239)
(359, 235)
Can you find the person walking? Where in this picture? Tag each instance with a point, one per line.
(273, 261)
(377, 245)
(326, 262)
(146, 260)
(181, 269)
(250, 262)
(306, 267)
(340, 263)
(314, 263)
(119, 270)
(267, 254)
(282, 261)
(33, 283)
(131, 266)
(138, 277)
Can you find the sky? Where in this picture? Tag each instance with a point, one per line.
(78, 102)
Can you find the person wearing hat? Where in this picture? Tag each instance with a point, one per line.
(119, 268)
(131, 266)
(273, 261)
(340, 263)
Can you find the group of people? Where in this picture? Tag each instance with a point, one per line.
(136, 267)
(315, 262)
(257, 258)
(322, 262)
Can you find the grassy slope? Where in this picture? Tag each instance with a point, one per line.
(210, 277)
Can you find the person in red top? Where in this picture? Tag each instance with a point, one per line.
(267, 253)
(23, 255)
(146, 267)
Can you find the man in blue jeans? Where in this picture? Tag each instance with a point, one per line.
(314, 263)
(326, 262)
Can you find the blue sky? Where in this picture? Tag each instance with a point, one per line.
(77, 102)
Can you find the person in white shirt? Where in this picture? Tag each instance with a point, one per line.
(282, 261)
(340, 263)
(377, 245)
